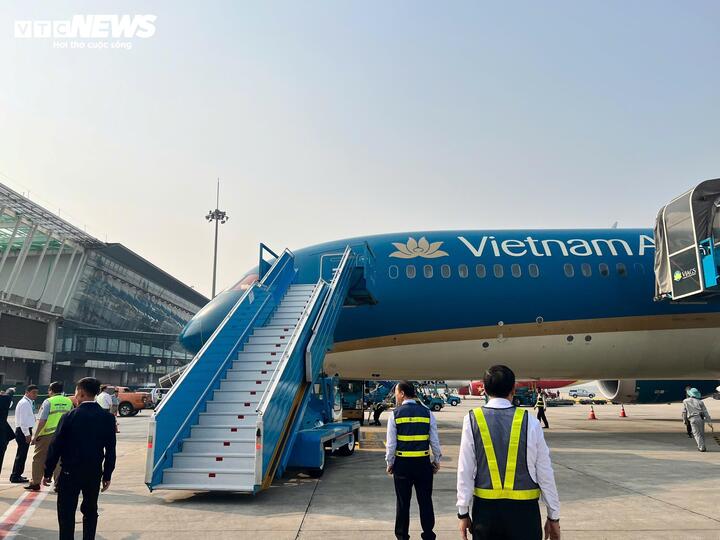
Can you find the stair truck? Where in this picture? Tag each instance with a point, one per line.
(255, 401)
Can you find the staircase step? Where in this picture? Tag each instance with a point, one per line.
(228, 433)
(218, 446)
(246, 396)
(237, 407)
(284, 321)
(265, 348)
(232, 418)
(208, 460)
(275, 331)
(240, 365)
(210, 479)
(246, 375)
(245, 386)
(267, 340)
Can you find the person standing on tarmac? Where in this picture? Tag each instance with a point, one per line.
(688, 427)
(24, 424)
(6, 432)
(695, 412)
(411, 433)
(52, 409)
(540, 406)
(504, 468)
(84, 444)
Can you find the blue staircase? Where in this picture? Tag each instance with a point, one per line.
(230, 422)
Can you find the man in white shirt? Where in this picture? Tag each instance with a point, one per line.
(411, 434)
(104, 398)
(504, 469)
(24, 423)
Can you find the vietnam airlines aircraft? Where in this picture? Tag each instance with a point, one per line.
(563, 304)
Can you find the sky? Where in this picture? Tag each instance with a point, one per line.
(331, 119)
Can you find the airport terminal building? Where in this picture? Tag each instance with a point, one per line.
(72, 306)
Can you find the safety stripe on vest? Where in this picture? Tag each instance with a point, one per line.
(412, 420)
(419, 453)
(408, 438)
(507, 491)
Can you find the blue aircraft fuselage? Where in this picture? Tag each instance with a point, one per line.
(551, 303)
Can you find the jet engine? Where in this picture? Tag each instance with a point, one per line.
(643, 391)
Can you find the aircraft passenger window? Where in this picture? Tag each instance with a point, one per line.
(516, 272)
(498, 270)
(428, 271)
(586, 269)
(533, 270)
(463, 271)
(393, 271)
(604, 270)
(480, 270)
(569, 270)
(639, 268)
(445, 271)
(621, 270)
(410, 271)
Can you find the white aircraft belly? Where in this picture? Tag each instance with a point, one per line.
(661, 354)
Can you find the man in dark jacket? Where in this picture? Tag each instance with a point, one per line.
(6, 432)
(84, 444)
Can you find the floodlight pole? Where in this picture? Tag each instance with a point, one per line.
(219, 217)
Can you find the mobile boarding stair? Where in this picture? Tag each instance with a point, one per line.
(246, 409)
(687, 246)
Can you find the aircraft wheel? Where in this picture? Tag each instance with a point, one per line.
(349, 448)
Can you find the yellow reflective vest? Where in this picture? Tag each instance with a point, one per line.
(59, 405)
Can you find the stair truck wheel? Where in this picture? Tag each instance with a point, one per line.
(317, 473)
(349, 448)
(125, 409)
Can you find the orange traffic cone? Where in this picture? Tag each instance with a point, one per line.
(622, 411)
(592, 416)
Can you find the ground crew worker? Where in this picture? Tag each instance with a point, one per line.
(411, 433)
(504, 468)
(688, 427)
(540, 406)
(24, 424)
(52, 409)
(696, 413)
(378, 409)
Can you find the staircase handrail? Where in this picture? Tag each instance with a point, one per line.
(275, 271)
(324, 325)
(287, 353)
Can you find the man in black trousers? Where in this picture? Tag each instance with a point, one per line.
(411, 435)
(84, 444)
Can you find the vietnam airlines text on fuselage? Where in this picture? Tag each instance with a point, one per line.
(574, 304)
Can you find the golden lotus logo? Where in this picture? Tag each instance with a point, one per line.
(421, 248)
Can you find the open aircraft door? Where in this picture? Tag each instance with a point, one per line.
(687, 240)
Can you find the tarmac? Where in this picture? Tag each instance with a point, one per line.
(618, 478)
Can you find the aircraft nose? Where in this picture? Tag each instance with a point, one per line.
(191, 335)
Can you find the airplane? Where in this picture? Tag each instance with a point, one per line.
(551, 304)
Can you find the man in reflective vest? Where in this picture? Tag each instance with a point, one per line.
(411, 433)
(504, 469)
(540, 406)
(52, 409)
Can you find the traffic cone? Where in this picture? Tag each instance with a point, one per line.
(592, 416)
(622, 411)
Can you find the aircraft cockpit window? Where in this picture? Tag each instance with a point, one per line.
(569, 270)
(480, 270)
(393, 271)
(516, 271)
(463, 271)
(586, 270)
(533, 270)
(428, 271)
(410, 271)
(445, 271)
(604, 270)
(498, 270)
(621, 270)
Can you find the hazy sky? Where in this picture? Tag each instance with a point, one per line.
(337, 118)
